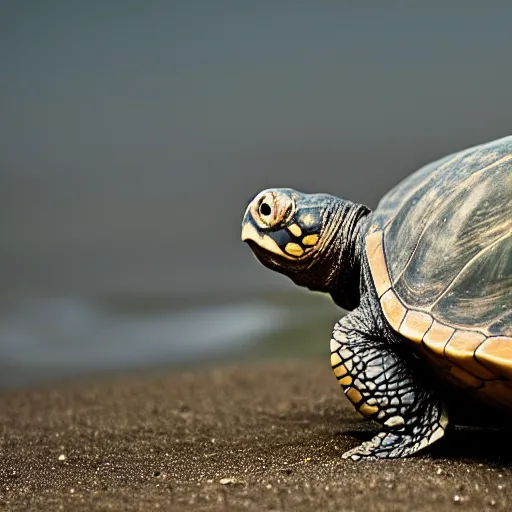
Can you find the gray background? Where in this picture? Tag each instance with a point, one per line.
(133, 134)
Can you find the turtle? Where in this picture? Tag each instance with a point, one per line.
(425, 282)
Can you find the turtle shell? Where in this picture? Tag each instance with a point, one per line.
(440, 254)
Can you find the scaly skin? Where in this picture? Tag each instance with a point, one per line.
(384, 385)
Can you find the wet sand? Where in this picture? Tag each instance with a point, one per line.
(244, 437)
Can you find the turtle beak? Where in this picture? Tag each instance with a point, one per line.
(249, 231)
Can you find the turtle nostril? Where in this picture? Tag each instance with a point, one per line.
(265, 209)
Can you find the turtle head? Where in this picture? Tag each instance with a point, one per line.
(303, 236)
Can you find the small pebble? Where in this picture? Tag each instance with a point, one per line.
(62, 457)
(227, 481)
(456, 498)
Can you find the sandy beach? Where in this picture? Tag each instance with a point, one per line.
(242, 437)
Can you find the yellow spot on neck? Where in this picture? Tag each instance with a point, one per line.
(294, 249)
(295, 230)
(310, 240)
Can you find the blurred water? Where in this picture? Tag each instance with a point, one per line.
(58, 338)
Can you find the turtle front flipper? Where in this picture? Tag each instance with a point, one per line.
(382, 387)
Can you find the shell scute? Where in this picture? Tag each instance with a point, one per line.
(461, 348)
(496, 353)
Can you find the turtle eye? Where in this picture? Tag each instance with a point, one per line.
(265, 209)
(270, 209)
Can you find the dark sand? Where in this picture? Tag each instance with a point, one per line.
(256, 437)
